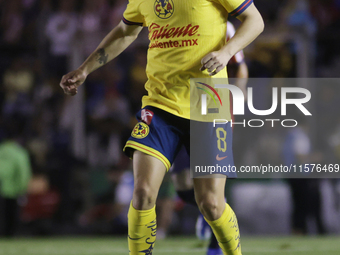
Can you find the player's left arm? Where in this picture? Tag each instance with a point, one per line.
(251, 27)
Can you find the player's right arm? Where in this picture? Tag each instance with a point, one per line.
(110, 47)
(251, 27)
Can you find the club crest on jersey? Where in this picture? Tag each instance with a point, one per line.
(164, 8)
(140, 131)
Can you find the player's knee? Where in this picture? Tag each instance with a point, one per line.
(209, 207)
(207, 203)
(143, 198)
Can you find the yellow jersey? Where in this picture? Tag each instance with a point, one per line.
(181, 33)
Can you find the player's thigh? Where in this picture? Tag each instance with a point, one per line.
(148, 172)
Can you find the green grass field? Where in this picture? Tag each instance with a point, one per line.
(177, 246)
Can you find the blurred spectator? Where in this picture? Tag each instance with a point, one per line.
(18, 82)
(123, 196)
(327, 108)
(91, 24)
(12, 22)
(40, 206)
(270, 145)
(305, 192)
(334, 143)
(334, 140)
(15, 172)
(327, 14)
(109, 117)
(60, 30)
(296, 14)
(112, 192)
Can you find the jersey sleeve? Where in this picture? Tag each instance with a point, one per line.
(132, 15)
(235, 7)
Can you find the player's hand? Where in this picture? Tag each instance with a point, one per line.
(215, 62)
(71, 81)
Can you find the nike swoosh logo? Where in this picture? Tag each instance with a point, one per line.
(218, 158)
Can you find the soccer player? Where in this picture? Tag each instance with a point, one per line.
(187, 40)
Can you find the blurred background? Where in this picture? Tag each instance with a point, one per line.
(74, 178)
